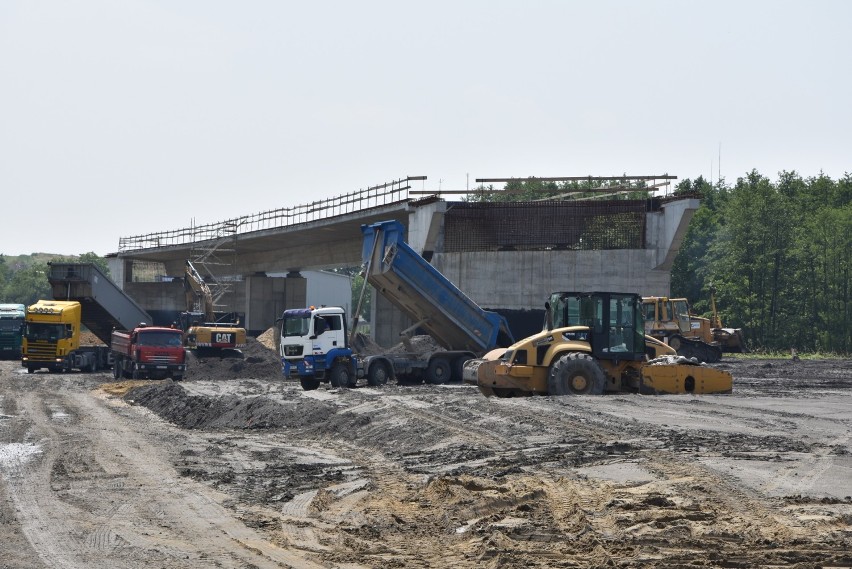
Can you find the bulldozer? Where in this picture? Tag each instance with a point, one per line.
(201, 330)
(592, 343)
(671, 321)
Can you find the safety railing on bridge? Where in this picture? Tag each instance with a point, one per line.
(375, 196)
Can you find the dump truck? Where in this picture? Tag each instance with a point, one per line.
(151, 352)
(317, 345)
(52, 339)
(592, 343)
(201, 329)
(11, 330)
(671, 321)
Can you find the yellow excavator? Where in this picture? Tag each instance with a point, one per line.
(201, 330)
(592, 343)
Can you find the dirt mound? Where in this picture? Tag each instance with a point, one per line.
(256, 362)
(269, 339)
(422, 344)
(172, 402)
(89, 339)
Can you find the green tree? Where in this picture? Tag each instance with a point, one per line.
(28, 285)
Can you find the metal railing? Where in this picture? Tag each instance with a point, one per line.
(375, 196)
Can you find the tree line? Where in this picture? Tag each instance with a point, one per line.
(779, 254)
(23, 278)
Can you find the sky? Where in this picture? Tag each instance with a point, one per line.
(126, 117)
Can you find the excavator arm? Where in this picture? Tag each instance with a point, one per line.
(196, 289)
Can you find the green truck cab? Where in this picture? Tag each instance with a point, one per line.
(11, 330)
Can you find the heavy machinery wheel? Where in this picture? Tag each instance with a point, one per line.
(30, 369)
(340, 376)
(378, 374)
(439, 371)
(309, 383)
(576, 374)
(177, 377)
(116, 369)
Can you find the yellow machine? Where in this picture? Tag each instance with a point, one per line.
(592, 343)
(731, 339)
(201, 331)
(52, 339)
(671, 321)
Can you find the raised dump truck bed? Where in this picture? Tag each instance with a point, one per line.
(104, 305)
(426, 296)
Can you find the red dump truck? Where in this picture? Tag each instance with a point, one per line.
(148, 351)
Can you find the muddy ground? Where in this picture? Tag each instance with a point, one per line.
(236, 467)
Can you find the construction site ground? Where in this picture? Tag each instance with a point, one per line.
(235, 467)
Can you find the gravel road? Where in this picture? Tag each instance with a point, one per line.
(236, 468)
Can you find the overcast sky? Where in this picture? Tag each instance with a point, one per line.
(120, 118)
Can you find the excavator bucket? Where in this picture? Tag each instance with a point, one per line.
(666, 375)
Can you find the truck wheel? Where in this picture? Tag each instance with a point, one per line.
(340, 376)
(309, 383)
(30, 369)
(438, 371)
(576, 374)
(378, 374)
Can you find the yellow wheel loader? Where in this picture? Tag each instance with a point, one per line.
(592, 343)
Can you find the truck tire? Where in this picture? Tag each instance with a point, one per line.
(439, 371)
(30, 369)
(576, 373)
(340, 376)
(309, 383)
(378, 374)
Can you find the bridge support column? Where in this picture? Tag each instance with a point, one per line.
(267, 297)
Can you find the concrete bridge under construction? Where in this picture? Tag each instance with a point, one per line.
(506, 256)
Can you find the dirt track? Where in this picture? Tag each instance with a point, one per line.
(235, 467)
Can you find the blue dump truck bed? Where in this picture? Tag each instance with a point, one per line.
(426, 296)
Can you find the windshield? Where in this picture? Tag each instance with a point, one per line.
(577, 311)
(9, 325)
(160, 339)
(297, 326)
(45, 332)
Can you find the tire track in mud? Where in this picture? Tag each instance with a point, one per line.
(64, 497)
